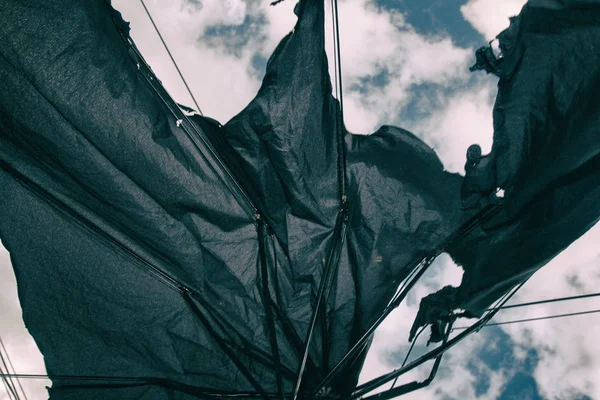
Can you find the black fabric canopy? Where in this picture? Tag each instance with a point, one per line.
(149, 244)
(160, 255)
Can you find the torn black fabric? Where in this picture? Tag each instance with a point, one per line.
(150, 244)
(545, 155)
(132, 228)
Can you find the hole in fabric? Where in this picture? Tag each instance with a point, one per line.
(495, 45)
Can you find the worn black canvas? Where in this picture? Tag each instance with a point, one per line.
(185, 257)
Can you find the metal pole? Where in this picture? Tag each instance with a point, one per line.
(330, 269)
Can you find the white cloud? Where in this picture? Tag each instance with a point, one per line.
(490, 17)
(378, 43)
(220, 79)
(465, 118)
(381, 43)
(568, 348)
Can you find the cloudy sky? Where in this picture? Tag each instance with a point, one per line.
(405, 62)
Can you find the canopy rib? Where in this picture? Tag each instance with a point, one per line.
(266, 294)
(326, 280)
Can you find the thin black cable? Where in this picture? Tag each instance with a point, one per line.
(171, 56)
(5, 382)
(583, 296)
(412, 345)
(80, 377)
(535, 319)
(335, 68)
(8, 383)
(11, 388)
(341, 141)
(8, 389)
(338, 53)
(10, 364)
(196, 391)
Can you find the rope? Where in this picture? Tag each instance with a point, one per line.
(535, 319)
(172, 59)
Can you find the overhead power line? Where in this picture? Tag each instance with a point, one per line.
(12, 368)
(171, 56)
(583, 296)
(535, 319)
(123, 379)
(9, 384)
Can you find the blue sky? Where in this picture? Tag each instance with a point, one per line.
(440, 16)
(405, 62)
(499, 356)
